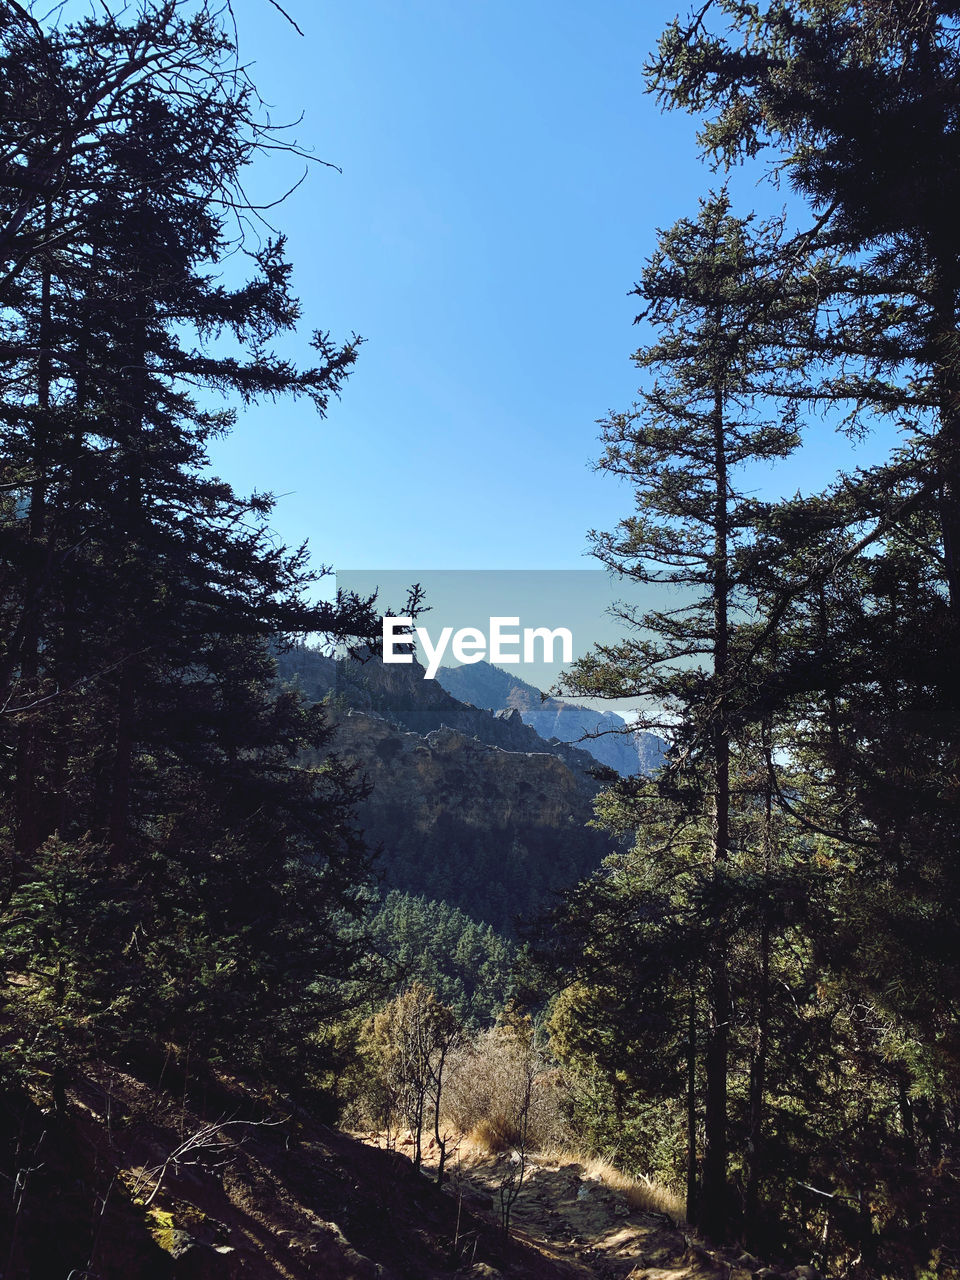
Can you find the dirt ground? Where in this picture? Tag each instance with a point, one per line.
(573, 1218)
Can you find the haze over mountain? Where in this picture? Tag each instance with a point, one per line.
(604, 734)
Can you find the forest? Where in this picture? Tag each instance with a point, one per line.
(740, 983)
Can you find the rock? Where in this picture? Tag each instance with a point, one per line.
(477, 1199)
(804, 1272)
(699, 1255)
(664, 1249)
(483, 1271)
(194, 1260)
(327, 1246)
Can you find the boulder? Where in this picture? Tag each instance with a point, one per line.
(194, 1260)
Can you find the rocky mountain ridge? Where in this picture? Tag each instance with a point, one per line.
(401, 695)
(603, 734)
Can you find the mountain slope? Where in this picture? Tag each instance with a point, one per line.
(151, 1172)
(467, 805)
(604, 734)
(490, 831)
(201, 1179)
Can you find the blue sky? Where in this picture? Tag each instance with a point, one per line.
(504, 175)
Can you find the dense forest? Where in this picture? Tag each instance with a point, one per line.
(752, 996)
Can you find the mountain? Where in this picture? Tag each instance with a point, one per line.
(401, 695)
(490, 831)
(467, 805)
(604, 734)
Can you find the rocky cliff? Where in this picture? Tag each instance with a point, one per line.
(467, 805)
(492, 831)
(603, 734)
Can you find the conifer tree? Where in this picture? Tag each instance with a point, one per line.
(143, 596)
(857, 104)
(723, 302)
(871, 140)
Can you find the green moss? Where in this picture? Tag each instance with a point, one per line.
(161, 1227)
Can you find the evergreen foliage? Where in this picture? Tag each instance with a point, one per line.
(150, 765)
(467, 964)
(725, 303)
(834, 912)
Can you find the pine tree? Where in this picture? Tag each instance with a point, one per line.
(724, 302)
(872, 141)
(858, 104)
(144, 597)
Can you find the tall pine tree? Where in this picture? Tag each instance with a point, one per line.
(724, 302)
(143, 596)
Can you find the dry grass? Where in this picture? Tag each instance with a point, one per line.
(640, 1193)
(493, 1134)
(643, 1194)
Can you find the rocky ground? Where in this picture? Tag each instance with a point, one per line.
(592, 1229)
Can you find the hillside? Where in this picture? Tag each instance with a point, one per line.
(154, 1174)
(163, 1177)
(604, 734)
(491, 831)
(467, 805)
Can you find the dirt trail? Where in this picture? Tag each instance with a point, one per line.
(576, 1219)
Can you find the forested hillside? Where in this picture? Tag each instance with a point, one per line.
(251, 893)
(465, 806)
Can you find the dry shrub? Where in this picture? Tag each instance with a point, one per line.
(493, 1082)
(484, 1098)
(492, 1134)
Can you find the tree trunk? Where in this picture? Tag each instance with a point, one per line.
(713, 1201)
(441, 1143)
(758, 1065)
(692, 1206)
(132, 533)
(26, 801)
(758, 1082)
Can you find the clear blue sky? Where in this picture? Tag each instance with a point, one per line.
(503, 178)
